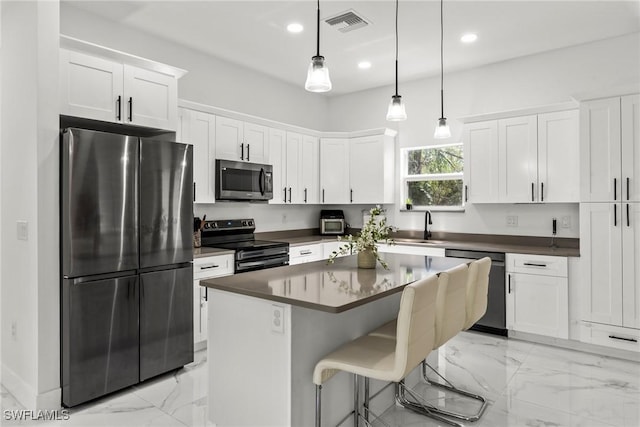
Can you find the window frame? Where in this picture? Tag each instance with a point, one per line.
(405, 178)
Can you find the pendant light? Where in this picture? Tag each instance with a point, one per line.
(442, 129)
(396, 111)
(318, 74)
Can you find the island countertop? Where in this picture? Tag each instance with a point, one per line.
(336, 287)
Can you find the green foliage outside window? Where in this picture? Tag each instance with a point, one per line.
(434, 175)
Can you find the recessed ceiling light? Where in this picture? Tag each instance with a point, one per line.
(469, 38)
(364, 65)
(295, 27)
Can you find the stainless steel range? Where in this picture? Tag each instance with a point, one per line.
(238, 235)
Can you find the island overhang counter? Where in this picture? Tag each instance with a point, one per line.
(268, 328)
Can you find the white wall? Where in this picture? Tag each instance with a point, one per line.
(29, 192)
(604, 68)
(209, 80)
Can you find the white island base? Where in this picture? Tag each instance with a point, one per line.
(260, 374)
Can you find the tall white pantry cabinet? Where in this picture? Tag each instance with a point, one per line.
(610, 221)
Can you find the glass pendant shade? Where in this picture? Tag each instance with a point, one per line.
(318, 76)
(396, 111)
(442, 129)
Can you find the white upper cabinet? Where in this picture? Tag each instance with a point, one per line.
(558, 157)
(601, 154)
(241, 141)
(528, 159)
(98, 88)
(357, 170)
(309, 169)
(278, 159)
(371, 166)
(518, 159)
(630, 116)
(202, 134)
(292, 168)
(481, 162)
(334, 171)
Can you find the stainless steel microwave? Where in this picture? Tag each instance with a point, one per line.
(243, 181)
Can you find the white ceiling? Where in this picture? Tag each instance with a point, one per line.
(252, 33)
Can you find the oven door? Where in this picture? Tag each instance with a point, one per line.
(243, 181)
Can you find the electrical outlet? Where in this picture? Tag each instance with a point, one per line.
(284, 218)
(277, 319)
(14, 330)
(512, 220)
(565, 222)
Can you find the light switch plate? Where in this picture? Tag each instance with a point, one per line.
(22, 230)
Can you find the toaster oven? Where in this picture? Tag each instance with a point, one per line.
(332, 222)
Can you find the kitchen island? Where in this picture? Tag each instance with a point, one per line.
(268, 329)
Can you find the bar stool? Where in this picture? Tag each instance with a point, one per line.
(382, 358)
(474, 286)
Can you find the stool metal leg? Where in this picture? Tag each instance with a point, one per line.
(366, 399)
(454, 389)
(356, 400)
(421, 408)
(318, 406)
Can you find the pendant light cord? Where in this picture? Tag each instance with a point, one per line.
(396, 47)
(318, 32)
(441, 61)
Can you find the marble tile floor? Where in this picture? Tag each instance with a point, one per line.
(527, 385)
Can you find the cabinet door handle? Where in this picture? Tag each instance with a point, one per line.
(209, 267)
(130, 109)
(542, 192)
(534, 264)
(509, 281)
(119, 103)
(248, 152)
(242, 151)
(623, 338)
(194, 191)
(615, 215)
(289, 194)
(532, 191)
(285, 194)
(628, 218)
(305, 195)
(628, 184)
(351, 195)
(615, 189)
(206, 294)
(305, 252)
(323, 195)
(466, 193)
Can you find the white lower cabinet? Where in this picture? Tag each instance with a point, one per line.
(537, 295)
(329, 247)
(206, 268)
(305, 253)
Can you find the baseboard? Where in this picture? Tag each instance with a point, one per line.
(26, 395)
(576, 345)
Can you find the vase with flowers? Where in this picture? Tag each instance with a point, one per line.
(375, 230)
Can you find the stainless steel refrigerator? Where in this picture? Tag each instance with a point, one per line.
(127, 238)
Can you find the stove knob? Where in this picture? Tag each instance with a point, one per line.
(244, 223)
(214, 225)
(251, 223)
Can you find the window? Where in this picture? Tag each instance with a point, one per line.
(432, 176)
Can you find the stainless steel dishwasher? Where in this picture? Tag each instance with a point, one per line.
(494, 320)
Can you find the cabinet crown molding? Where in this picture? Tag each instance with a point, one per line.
(71, 43)
(570, 105)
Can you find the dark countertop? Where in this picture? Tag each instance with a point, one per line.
(205, 252)
(332, 288)
(566, 247)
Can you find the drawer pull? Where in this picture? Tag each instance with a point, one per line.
(613, 337)
(533, 264)
(209, 266)
(306, 252)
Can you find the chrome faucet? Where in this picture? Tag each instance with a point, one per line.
(427, 223)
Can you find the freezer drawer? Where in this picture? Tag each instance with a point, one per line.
(166, 321)
(99, 337)
(166, 203)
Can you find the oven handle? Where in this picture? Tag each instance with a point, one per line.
(264, 263)
(261, 253)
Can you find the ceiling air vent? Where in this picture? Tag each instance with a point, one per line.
(347, 21)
